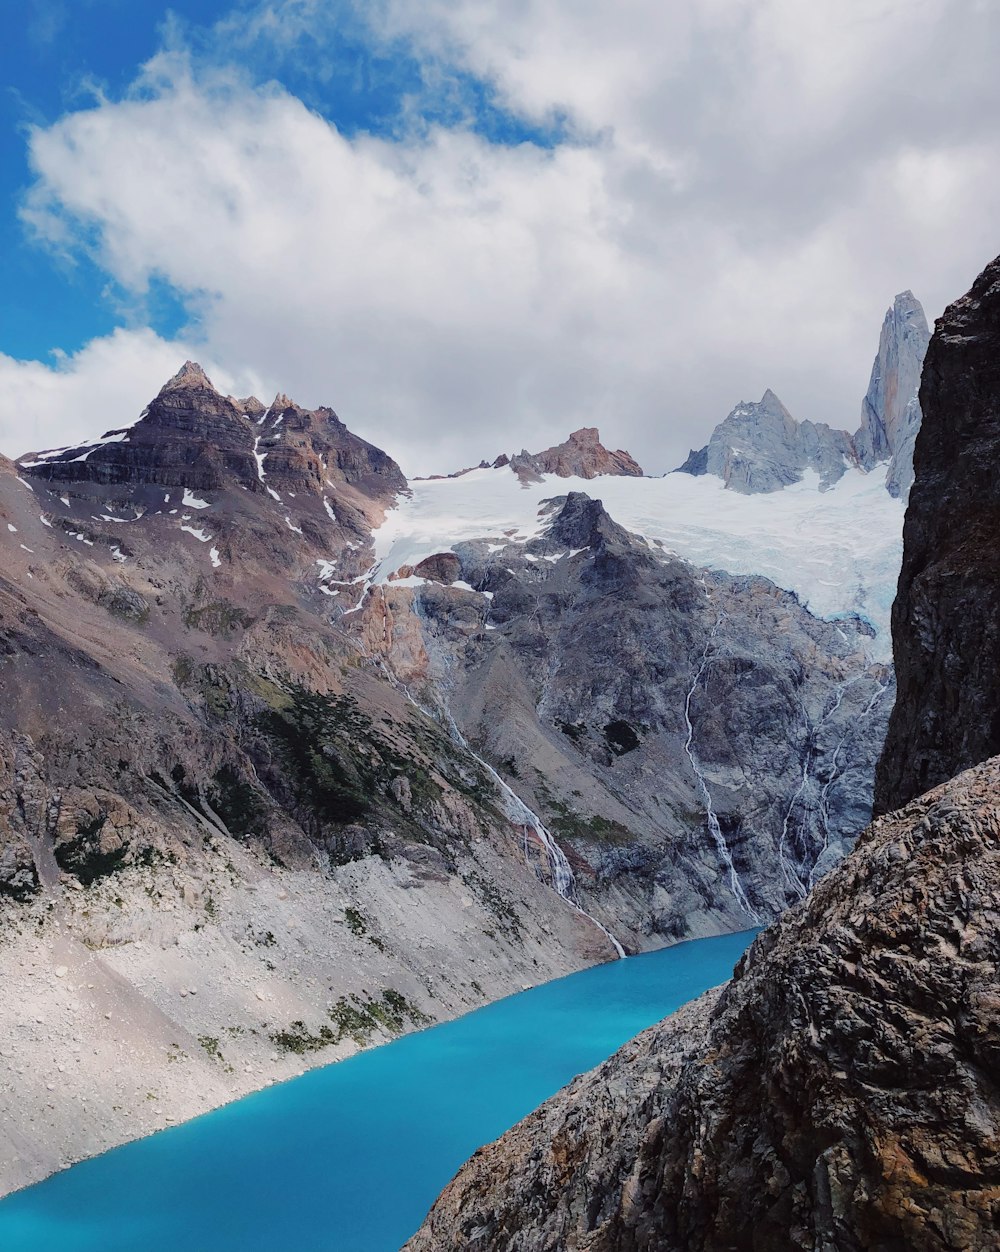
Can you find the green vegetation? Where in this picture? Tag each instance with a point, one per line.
(498, 905)
(314, 736)
(355, 922)
(82, 856)
(238, 803)
(353, 1017)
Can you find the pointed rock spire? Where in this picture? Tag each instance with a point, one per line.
(189, 375)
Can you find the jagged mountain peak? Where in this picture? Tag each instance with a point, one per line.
(583, 522)
(190, 374)
(761, 447)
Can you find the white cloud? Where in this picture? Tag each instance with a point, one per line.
(103, 386)
(749, 185)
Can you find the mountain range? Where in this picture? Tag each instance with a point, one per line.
(296, 755)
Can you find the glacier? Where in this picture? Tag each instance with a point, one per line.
(839, 550)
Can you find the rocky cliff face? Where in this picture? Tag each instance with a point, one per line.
(582, 455)
(840, 1092)
(890, 411)
(702, 747)
(946, 635)
(761, 447)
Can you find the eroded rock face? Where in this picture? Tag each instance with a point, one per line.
(840, 1093)
(945, 625)
(664, 721)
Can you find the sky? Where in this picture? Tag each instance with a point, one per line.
(472, 226)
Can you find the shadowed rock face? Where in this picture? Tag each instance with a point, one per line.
(945, 623)
(839, 1094)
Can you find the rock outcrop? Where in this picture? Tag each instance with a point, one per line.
(840, 1093)
(945, 624)
(582, 455)
(761, 447)
(702, 747)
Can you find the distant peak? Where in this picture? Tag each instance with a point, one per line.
(190, 374)
(281, 402)
(582, 455)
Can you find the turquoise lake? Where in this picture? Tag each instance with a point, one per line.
(350, 1157)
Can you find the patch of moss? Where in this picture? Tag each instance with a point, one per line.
(353, 1017)
(220, 618)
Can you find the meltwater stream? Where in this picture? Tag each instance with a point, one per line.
(349, 1158)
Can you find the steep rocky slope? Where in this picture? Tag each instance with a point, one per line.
(761, 447)
(700, 744)
(840, 1092)
(228, 845)
(946, 631)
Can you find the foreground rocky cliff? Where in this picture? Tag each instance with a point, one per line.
(946, 629)
(839, 1093)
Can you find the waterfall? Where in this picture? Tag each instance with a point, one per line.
(824, 806)
(518, 814)
(715, 830)
(515, 810)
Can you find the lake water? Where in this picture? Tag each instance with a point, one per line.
(350, 1157)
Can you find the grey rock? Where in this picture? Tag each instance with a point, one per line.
(578, 679)
(889, 418)
(761, 447)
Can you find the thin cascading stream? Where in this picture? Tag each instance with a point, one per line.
(715, 830)
(835, 774)
(516, 811)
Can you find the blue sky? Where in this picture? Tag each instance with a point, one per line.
(58, 55)
(472, 225)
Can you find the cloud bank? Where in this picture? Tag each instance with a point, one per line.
(733, 194)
